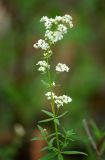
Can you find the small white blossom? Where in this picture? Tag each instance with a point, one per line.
(47, 53)
(66, 18)
(62, 28)
(53, 84)
(42, 44)
(43, 66)
(58, 100)
(62, 67)
(49, 35)
(71, 24)
(66, 99)
(58, 18)
(47, 22)
(53, 36)
(42, 69)
(57, 36)
(49, 95)
(44, 130)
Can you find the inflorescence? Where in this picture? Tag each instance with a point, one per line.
(55, 30)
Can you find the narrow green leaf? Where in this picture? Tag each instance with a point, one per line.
(56, 151)
(48, 113)
(45, 83)
(102, 149)
(53, 134)
(37, 139)
(63, 114)
(56, 121)
(45, 148)
(64, 130)
(46, 120)
(96, 130)
(73, 152)
(52, 140)
(61, 142)
(40, 128)
(70, 133)
(60, 157)
(49, 156)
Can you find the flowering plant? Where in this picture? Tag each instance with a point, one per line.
(57, 142)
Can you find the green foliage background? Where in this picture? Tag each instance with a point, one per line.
(21, 91)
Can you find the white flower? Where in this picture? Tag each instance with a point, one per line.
(62, 28)
(43, 66)
(71, 24)
(58, 18)
(53, 36)
(58, 100)
(47, 53)
(44, 130)
(47, 22)
(66, 18)
(49, 35)
(62, 67)
(53, 84)
(42, 69)
(57, 36)
(49, 95)
(66, 99)
(42, 44)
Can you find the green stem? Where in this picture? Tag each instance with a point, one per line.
(53, 109)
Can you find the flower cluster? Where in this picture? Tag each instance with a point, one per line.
(41, 44)
(59, 100)
(49, 22)
(62, 67)
(55, 29)
(43, 66)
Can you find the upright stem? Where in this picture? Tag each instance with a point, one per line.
(53, 108)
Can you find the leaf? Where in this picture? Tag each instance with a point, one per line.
(48, 56)
(45, 148)
(40, 128)
(46, 120)
(61, 142)
(36, 139)
(64, 130)
(63, 114)
(53, 134)
(60, 157)
(102, 150)
(45, 83)
(56, 151)
(49, 156)
(48, 113)
(96, 130)
(52, 140)
(70, 133)
(73, 152)
(56, 121)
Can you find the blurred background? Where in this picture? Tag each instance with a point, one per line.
(21, 91)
